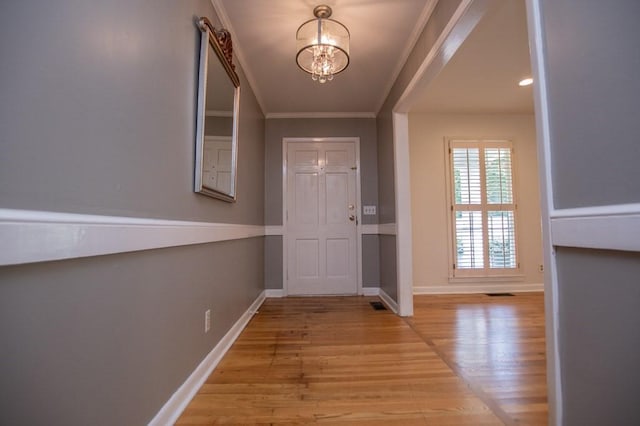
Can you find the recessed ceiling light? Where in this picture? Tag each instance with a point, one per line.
(526, 82)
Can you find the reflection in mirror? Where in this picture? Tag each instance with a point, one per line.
(218, 97)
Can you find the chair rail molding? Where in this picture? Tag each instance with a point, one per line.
(37, 236)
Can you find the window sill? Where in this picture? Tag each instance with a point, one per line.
(487, 278)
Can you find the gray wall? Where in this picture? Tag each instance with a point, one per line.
(108, 340)
(599, 344)
(594, 61)
(592, 67)
(98, 116)
(388, 268)
(218, 126)
(370, 261)
(275, 131)
(384, 124)
(273, 262)
(98, 99)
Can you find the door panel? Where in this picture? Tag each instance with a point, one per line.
(338, 257)
(337, 198)
(307, 255)
(306, 199)
(339, 158)
(306, 158)
(321, 218)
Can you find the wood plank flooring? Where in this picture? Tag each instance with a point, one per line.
(461, 360)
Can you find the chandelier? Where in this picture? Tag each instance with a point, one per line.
(322, 45)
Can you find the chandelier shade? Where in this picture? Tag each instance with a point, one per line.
(322, 45)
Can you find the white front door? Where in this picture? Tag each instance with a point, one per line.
(321, 218)
(216, 167)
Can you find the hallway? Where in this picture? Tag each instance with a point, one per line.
(461, 360)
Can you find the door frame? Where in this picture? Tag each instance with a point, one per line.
(301, 140)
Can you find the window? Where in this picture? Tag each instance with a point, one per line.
(483, 209)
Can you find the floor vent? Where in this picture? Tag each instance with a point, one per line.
(499, 294)
(378, 306)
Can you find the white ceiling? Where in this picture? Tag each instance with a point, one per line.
(481, 77)
(382, 33)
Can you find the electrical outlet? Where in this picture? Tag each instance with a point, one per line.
(207, 320)
(369, 210)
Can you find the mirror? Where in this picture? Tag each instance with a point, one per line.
(217, 120)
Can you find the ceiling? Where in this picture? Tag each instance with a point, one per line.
(479, 78)
(483, 75)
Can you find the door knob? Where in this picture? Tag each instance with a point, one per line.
(352, 217)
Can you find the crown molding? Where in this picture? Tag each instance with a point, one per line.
(277, 115)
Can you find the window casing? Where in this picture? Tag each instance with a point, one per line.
(483, 208)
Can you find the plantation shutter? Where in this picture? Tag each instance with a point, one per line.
(483, 207)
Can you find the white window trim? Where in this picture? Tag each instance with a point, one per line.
(484, 275)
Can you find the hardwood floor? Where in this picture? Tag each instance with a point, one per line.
(496, 344)
(461, 360)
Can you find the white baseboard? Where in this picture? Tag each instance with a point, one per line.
(478, 288)
(391, 304)
(170, 412)
(371, 291)
(274, 293)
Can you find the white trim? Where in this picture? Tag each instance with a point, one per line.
(451, 37)
(273, 293)
(426, 13)
(607, 231)
(464, 19)
(356, 142)
(542, 115)
(371, 291)
(280, 115)
(404, 245)
(391, 304)
(274, 230)
(378, 229)
(172, 409)
(214, 113)
(358, 219)
(369, 229)
(285, 251)
(238, 52)
(478, 288)
(387, 229)
(597, 211)
(37, 236)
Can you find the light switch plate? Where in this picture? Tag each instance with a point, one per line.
(369, 210)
